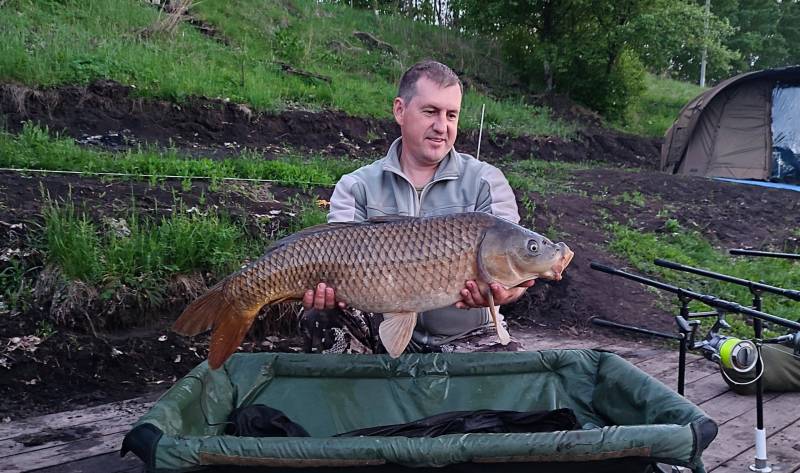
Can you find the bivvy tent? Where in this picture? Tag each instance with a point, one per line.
(623, 420)
(746, 127)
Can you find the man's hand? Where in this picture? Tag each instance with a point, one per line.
(472, 298)
(321, 298)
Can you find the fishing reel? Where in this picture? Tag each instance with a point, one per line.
(730, 352)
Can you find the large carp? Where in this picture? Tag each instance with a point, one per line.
(397, 266)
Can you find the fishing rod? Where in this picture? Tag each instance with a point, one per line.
(756, 288)
(707, 299)
(769, 254)
(480, 133)
(730, 352)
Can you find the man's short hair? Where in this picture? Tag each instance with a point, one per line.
(434, 71)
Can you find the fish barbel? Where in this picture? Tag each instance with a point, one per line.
(397, 266)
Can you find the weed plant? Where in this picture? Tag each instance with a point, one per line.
(690, 248)
(543, 177)
(138, 251)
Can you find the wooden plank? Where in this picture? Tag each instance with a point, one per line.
(783, 452)
(635, 353)
(107, 463)
(694, 372)
(536, 342)
(668, 364)
(736, 436)
(49, 438)
(730, 405)
(705, 389)
(131, 407)
(66, 453)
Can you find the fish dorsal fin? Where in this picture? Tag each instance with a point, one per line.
(396, 330)
(321, 228)
(326, 227)
(389, 218)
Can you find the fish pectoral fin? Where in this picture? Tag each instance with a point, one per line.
(396, 330)
(502, 333)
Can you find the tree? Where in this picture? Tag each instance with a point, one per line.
(766, 32)
(669, 40)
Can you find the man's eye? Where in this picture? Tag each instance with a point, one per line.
(453, 116)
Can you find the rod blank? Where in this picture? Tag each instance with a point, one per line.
(709, 300)
(790, 293)
(768, 254)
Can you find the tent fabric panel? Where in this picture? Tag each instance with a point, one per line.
(679, 136)
(701, 143)
(742, 146)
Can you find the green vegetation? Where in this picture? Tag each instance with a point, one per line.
(34, 148)
(690, 248)
(308, 214)
(67, 42)
(543, 177)
(140, 253)
(653, 113)
(635, 199)
(598, 52)
(134, 250)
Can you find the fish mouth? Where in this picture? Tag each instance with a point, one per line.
(563, 262)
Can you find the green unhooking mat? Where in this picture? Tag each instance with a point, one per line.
(629, 420)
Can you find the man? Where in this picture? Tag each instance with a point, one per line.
(421, 175)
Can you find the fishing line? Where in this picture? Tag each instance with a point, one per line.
(745, 383)
(792, 355)
(169, 176)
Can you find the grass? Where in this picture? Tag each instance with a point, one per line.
(658, 107)
(34, 148)
(101, 254)
(690, 248)
(139, 253)
(48, 43)
(543, 177)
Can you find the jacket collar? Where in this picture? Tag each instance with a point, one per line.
(449, 168)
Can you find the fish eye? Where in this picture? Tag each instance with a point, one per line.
(533, 246)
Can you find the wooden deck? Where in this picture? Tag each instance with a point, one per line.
(88, 440)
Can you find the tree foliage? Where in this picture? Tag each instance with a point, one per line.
(766, 33)
(597, 51)
(587, 48)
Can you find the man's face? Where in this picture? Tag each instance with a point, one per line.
(429, 122)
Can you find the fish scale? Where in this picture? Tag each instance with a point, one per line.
(398, 266)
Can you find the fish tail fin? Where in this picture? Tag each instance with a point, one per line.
(396, 330)
(228, 321)
(227, 337)
(202, 314)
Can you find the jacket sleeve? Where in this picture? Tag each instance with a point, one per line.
(495, 195)
(348, 202)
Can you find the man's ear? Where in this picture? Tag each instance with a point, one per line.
(399, 109)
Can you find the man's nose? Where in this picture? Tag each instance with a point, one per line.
(440, 123)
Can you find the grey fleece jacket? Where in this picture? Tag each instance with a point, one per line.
(460, 184)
